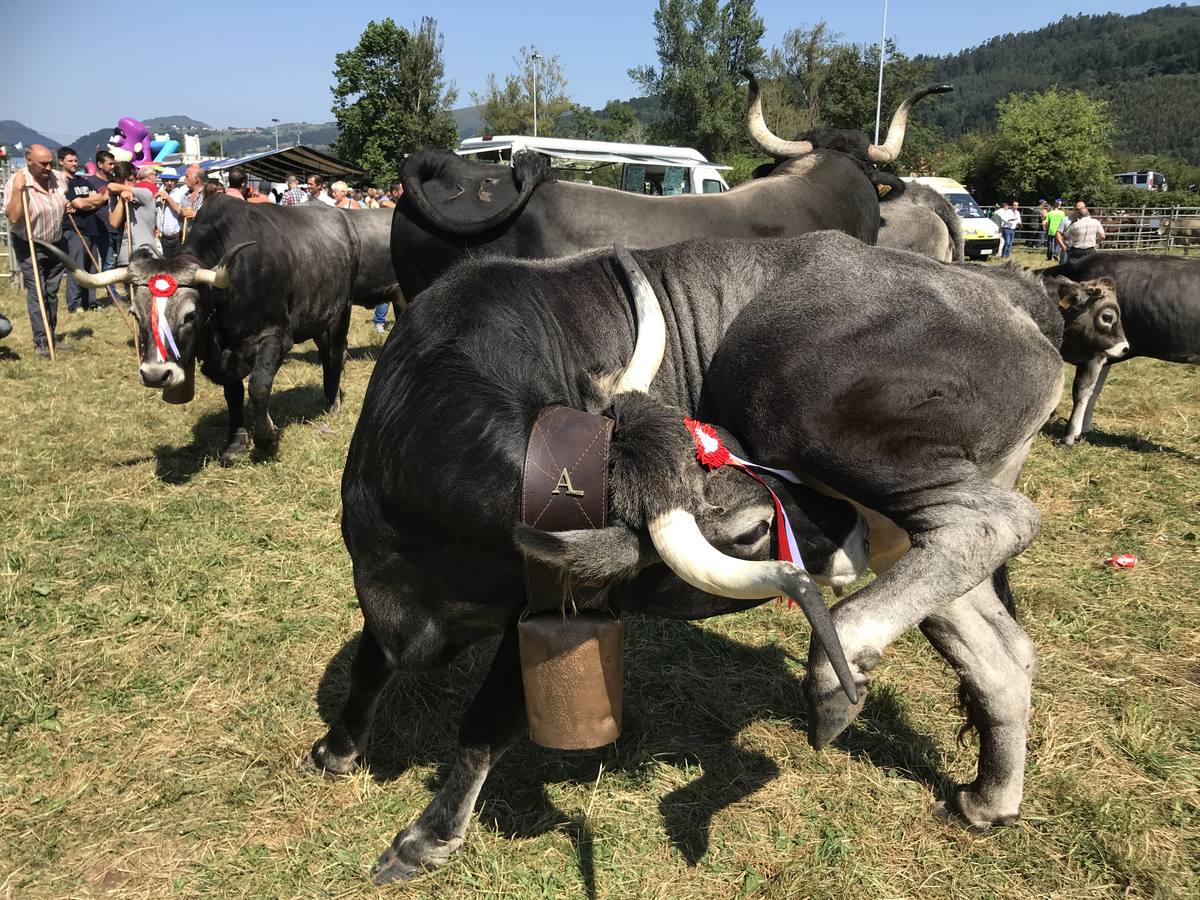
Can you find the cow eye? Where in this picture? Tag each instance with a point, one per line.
(752, 536)
(1107, 318)
(189, 317)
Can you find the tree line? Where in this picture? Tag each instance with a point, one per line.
(1016, 126)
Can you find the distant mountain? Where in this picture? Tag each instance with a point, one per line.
(11, 132)
(1147, 66)
(469, 120)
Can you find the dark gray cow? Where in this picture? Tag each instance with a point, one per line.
(1159, 299)
(288, 274)
(923, 221)
(453, 208)
(913, 388)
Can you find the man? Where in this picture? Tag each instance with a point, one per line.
(237, 184)
(392, 199)
(261, 193)
(294, 195)
(45, 196)
(85, 234)
(316, 191)
(166, 216)
(1010, 221)
(1054, 221)
(105, 162)
(135, 201)
(1083, 236)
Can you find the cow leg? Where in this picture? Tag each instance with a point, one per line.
(960, 534)
(1091, 404)
(266, 363)
(494, 721)
(239, 440)
(1087, 377)
(995, 661)
(331, 347)
(344, 744)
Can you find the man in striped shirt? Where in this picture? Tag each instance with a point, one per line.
(45, 194)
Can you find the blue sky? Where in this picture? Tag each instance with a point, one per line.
(242, 63)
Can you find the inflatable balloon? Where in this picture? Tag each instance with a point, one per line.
(130, 142)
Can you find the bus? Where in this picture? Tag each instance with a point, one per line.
(638, 168)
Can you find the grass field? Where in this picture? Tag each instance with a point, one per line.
(174, 635)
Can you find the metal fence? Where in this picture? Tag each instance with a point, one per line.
(8, 264)
(1163, 229)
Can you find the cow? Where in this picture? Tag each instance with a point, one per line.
(453, 207)
(910, 387)
(1159, 300)
(922, 220)
(1181, 231)
(288, 274)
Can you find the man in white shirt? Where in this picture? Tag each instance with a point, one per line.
(317, 192)
(1010, 221)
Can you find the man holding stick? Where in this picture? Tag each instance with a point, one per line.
(35, 200)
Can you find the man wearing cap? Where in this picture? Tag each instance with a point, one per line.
(45, 195)
(167, 214)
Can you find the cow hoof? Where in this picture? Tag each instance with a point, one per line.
(238, 447)
(967, 811)
(413, 852)
(267, 444)
(1069, 441)
(829, 717)
(329, 762)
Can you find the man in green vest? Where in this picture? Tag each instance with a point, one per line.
(1054, 220)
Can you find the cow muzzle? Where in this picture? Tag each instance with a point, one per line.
(1118, 351)
(161, 375)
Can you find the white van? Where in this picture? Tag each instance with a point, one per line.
(981, 236)
(639, 168)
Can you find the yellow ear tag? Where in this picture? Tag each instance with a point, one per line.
(883, 189)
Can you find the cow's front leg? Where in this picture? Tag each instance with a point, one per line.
(960, 536)
(238, 441)
(331, 348)
(1091, 404)
(346, 741)
(266, 363)
(494, 721)
(995, 661)
(1089, 378)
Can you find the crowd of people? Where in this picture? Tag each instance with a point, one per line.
(1065, 235)
(99, 220)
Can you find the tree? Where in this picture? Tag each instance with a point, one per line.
(212, 148)
(703, 47)
(390, 97)
(508, 108)
(1052, 144)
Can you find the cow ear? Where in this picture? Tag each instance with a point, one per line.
(1069, 294)
(589, 554)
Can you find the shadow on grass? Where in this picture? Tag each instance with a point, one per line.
(683, 709)
(8, 354)
(312, 356)
(210, 433)
(1057, 429)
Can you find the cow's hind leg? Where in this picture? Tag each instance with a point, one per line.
(238, 442)
(266, 363)
(995, 661)
(331, 347)
(494, 721)
(344, 744)
(961, 534)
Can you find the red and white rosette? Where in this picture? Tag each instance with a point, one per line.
(162, 288)
(713, 454)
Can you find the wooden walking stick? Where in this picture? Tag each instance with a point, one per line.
(37, 274)
(183, 240)
(112, 292)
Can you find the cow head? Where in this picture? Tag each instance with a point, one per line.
(665, 505)
(1091, 318)
(170, 300)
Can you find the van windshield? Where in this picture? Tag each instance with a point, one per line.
(965, 206)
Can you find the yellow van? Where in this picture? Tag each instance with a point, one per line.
(981, 236)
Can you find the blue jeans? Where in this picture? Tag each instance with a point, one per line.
(381, 312)
(51, 271)
(1008, 241)
(77, 295)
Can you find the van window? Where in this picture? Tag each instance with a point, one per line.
(712, 186)
(1141, 178)
(965, 206)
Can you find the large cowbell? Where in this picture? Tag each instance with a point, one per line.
(572, 661)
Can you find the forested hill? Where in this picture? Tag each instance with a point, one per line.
(1147, 66)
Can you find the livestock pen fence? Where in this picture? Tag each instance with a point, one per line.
(1163, 229)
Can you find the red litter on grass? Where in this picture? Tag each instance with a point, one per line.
(1122, 561)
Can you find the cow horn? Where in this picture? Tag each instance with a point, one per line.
(82, 277)
(650, 328)
(683, 547)
(890, 149)
(219, 277)
(759, 131)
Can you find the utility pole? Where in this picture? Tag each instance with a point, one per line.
(276, 121)
(882, 55)
(535, 59)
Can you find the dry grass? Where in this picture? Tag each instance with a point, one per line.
(174, 632)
